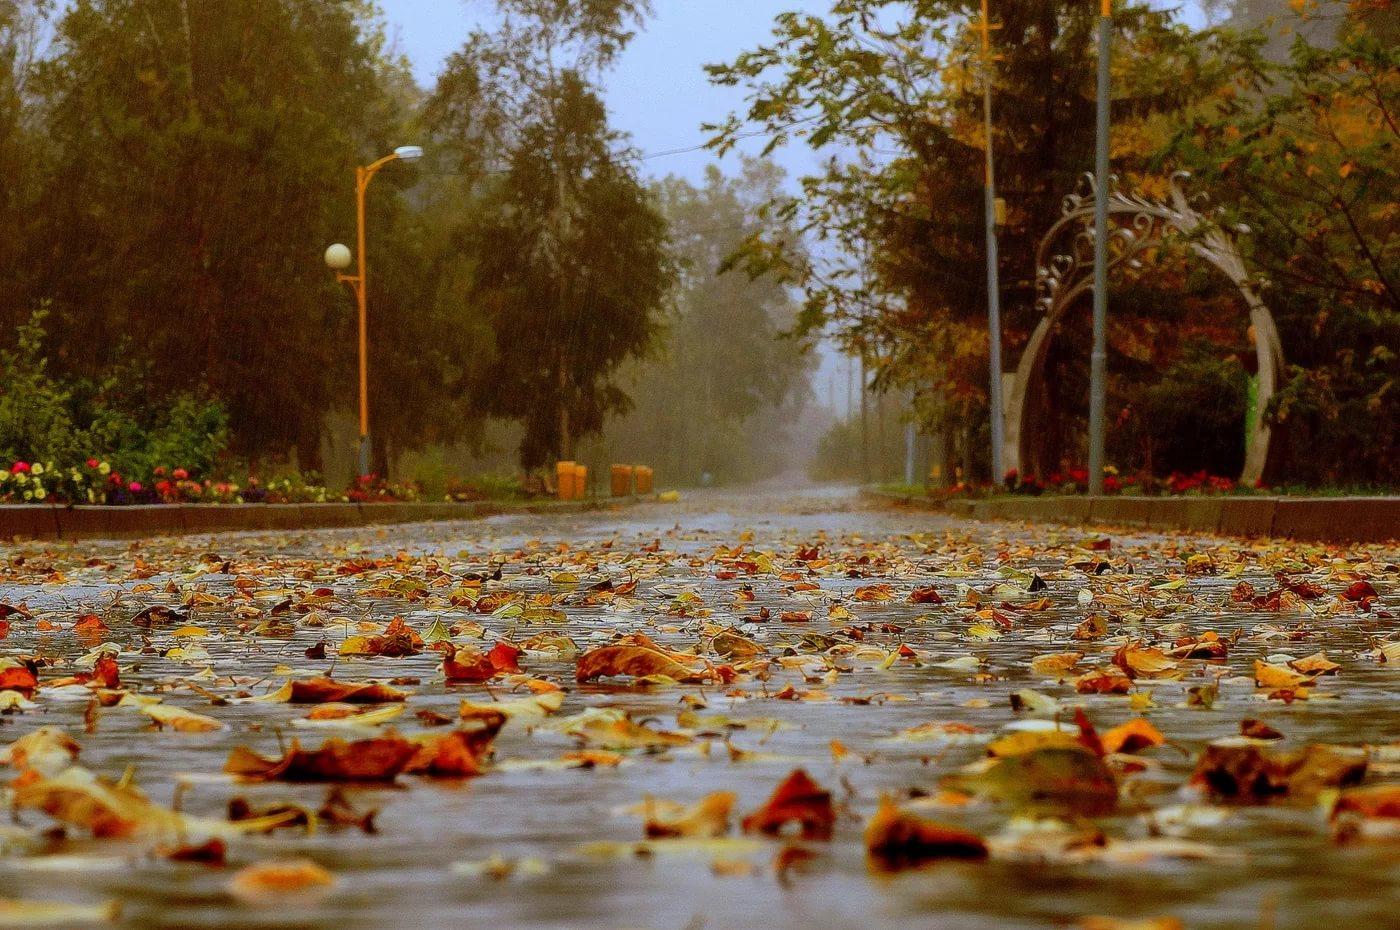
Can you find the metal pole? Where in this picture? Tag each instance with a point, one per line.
(910, 440)
(994, 395)
(362, 178)
(1098, 360)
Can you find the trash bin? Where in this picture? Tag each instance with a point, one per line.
(643, 479)
(580, 482)
(622, 476)
(564, 480)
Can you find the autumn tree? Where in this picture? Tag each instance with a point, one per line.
(1309, 164)
(892, 90)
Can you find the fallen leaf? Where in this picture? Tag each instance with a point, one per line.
(797, 799)
(896, 840)
(275, 881)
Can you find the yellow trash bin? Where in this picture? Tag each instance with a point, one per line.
(580, 482)
(622, 476)
(643, 479)
(564, 480)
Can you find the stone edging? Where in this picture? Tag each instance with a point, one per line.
(1323, 519)
(29, 521)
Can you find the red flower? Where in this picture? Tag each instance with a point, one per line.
(180, 474)
(160, 470)
(93, 463)
(20, 467)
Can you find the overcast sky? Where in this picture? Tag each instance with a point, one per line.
(658, 92)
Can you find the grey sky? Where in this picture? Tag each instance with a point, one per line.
(658, 93)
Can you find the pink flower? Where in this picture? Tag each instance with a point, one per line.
(20, 467)
(134, 487)
(180, 474)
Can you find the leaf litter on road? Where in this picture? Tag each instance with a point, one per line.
(1047, 698)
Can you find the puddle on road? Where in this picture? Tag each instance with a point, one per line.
(701, 567)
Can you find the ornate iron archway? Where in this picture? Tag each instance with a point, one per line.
(1137, 225)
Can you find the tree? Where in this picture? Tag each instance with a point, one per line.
(22, 26)
(722, 392)
(1309, 164)
(571, 266)
(200, 162)
(893, 88)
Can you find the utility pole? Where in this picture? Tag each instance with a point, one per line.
(994, 397)
(1098, 360)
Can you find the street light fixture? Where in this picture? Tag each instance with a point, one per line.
(339, 258)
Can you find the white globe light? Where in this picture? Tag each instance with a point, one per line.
(338, 257)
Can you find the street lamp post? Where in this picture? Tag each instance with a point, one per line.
(338, 259)
(994, 394)
(1098, 358)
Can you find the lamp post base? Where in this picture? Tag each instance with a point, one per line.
(364, 456)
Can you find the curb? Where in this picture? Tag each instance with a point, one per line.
(44, 522)
(1317, 519)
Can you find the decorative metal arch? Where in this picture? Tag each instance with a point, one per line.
(1136, 225)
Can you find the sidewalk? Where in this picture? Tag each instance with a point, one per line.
(1321, 519)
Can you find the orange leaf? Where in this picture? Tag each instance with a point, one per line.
(1135, 735)
(295, 877)
(456, 753)
(468, 664)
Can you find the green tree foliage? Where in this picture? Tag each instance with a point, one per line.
(201, 156)
(570, 259)
(722, 393)
(1311, 164)
(49, 420)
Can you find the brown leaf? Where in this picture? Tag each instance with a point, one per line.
(328, 690)
(1106, 680)
(463, 663)
(634, 661)
(928, 595)
(1238, 770)
(455, 753)
(379, 759)
(796, 799)
(896, 840)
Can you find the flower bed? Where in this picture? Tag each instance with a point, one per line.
(95, 481)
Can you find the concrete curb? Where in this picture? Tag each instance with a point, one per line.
(27, 521)
(1320, 519)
